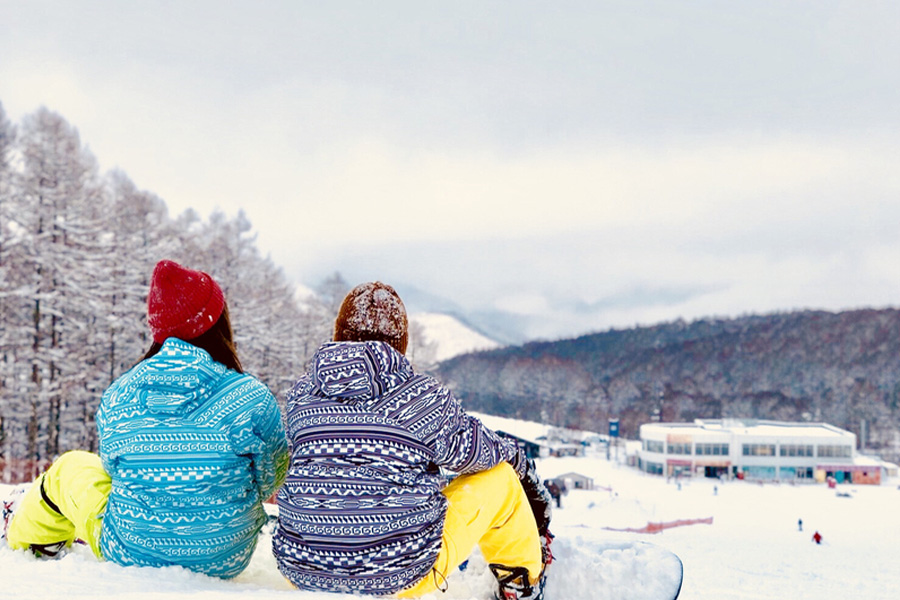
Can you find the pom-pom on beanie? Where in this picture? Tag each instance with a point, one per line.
(182, 303)
(373, 312)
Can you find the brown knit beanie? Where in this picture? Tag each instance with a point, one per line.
(373, 312)
(182, 303)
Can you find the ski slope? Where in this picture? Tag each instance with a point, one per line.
(752, 550)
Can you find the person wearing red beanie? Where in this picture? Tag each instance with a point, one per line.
(189, 305)
(182, 303)
(190, 447)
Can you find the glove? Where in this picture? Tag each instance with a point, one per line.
(538, 497)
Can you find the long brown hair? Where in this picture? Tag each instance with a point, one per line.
(218, 340)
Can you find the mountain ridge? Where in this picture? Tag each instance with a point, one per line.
(839, 367)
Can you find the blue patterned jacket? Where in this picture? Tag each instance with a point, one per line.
(362, 510)
(193, 449)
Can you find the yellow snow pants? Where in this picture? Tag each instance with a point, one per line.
(78, 487)
(489, 509)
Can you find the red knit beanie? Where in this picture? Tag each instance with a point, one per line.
(373, 312)
(182, 303)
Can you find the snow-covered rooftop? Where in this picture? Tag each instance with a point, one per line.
(753, 427)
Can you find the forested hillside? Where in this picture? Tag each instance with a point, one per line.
(841, 368)
(77, 249)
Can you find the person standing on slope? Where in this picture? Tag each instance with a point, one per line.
(365, 507)
(190, 447)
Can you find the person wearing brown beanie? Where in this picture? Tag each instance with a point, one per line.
(373, 312)
(365, 507)
(190, 447)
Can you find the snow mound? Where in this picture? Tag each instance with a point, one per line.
(583, 569)
(752, 550)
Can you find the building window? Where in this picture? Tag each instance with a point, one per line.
(795, 472)
(757, 472)
(796, 450)
(711, 449)
(654, 446)
(679, 448)
(759, 450)
(654, 468)
(834, 451)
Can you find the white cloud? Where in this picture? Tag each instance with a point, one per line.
(523, 304)
(531, 166)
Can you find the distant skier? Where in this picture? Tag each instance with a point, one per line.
(365, 508)
(799, 524)
(555, 491)
(817, 537)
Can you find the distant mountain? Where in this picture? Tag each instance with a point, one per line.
(842, 368)
(447, 336)
(503, 327)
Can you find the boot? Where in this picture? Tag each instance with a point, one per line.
(10, 504)
(512, 583)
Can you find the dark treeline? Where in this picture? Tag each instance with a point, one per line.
(841, 368)
(76, 252)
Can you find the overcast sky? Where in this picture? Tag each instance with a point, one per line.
(586, 164)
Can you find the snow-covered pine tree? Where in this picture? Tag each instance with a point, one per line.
(140, 234)
(314, 326)
(318, 311)
(8, 345)
(59, 209)
(331, 292)
(135, 232)
(76, 254)
(269, 340)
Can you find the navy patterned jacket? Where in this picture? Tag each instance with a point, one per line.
(361, 509)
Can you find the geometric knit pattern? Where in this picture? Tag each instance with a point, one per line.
(361, 510)
(193, 449)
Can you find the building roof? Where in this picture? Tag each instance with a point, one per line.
(574, 475)
(524, 430)
(751, 427)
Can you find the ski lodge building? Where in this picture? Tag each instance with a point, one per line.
(755, 449)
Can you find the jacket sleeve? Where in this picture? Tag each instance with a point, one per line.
(105, 430)
(464, 445)
(263, 440)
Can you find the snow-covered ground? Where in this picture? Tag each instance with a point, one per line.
(752, 550)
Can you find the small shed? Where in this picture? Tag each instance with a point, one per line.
(576, 481)
(531, 448)
(566, 449)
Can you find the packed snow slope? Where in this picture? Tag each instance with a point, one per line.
(752, 550)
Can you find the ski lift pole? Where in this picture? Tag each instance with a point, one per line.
(613, 437)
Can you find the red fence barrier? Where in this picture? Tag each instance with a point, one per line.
(20, 470)
(652, 527)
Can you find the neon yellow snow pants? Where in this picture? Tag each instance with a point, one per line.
(489, 509)
(79, 487)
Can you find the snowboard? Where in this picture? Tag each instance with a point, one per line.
(614, 570)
